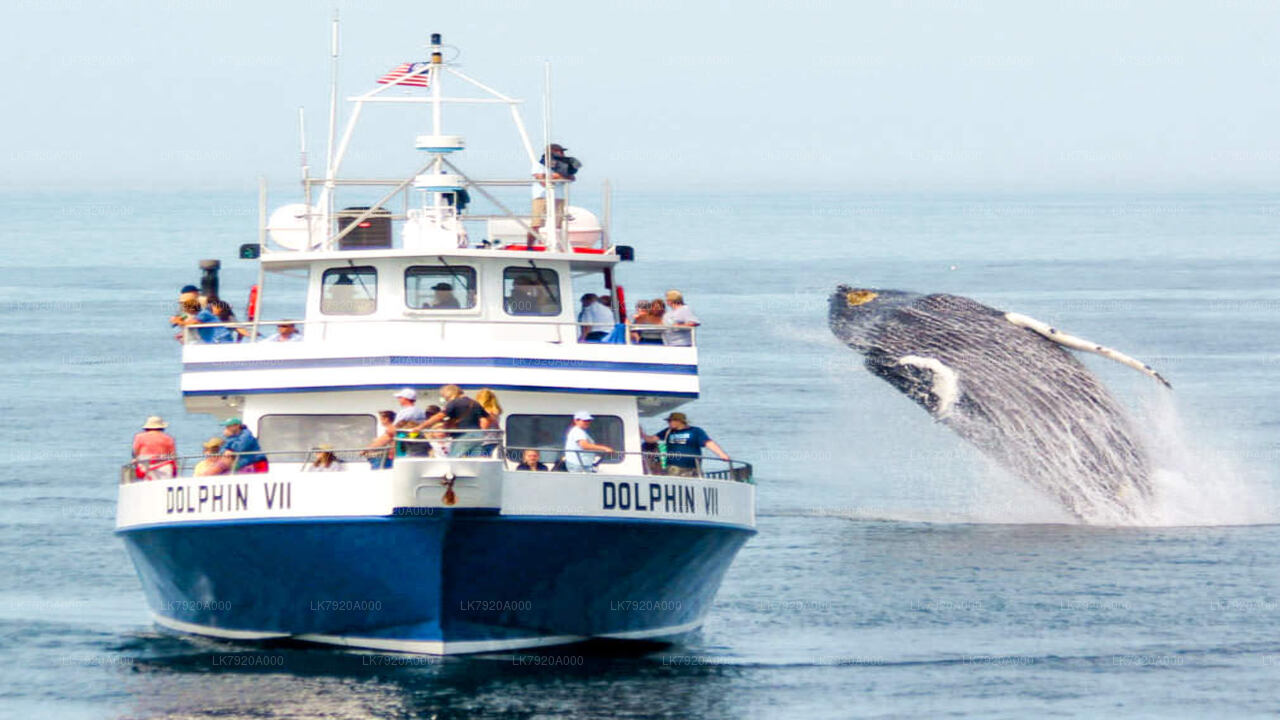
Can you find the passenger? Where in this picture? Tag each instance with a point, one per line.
(189, 293)
(242, 448)
(213, 462)
(154, 451)
(379, 451)
(444, 298)
(218, 312)
(681, 316)
(562, 167)
(492, 422)
(578, 439)
(440, 440)
(460, 413)
(188, 308)
(532, 460)
(658, 311)
(286, 332)
(684, 445)
(323, 460)
(522, 300)
(652, 454)
(409, 411)
(649, 312)
(595, 320)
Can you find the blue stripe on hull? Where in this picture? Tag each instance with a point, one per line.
(435, 361)
(442, 577)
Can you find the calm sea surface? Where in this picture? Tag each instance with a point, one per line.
(895, 574)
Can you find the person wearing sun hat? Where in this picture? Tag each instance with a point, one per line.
(154, 451)
(684, 443)
(323, 460)
(242, 448)
(213, 462)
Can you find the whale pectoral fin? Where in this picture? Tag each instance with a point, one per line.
(1075, 343)
(927, 381)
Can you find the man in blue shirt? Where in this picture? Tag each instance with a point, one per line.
(242, 448)
(684, 445)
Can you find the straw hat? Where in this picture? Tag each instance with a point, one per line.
(324, 447)
(155, 422)
(212, 444)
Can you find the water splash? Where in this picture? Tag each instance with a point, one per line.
(1195, 483)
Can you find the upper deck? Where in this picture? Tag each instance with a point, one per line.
(439, 277)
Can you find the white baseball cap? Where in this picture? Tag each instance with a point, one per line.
(583, 415)
(407, 394)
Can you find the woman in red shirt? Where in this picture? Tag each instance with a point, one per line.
(154, 451)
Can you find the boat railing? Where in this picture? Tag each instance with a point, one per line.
(654, 463)
(364, 459)
(565, 332)
(398, 205)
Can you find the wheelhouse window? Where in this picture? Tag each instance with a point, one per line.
(547, 432)
(301, 433)
(531, 291)
(349, 291)
(437, 287)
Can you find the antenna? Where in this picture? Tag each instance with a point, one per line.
(302, 144)
(333, 94)
(327, 196)
(548, 187)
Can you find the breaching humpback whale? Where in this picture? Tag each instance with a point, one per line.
(1003, 382)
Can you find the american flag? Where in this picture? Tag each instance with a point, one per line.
(404, 69)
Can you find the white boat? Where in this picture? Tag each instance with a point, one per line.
(435, 554)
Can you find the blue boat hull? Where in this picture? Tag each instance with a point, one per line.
(449, 581)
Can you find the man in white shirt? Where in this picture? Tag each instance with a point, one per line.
(595, 320)
(577, 440)
(286, 332)
(408, 409)
(679, 316)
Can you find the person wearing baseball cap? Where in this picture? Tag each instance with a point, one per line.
(578, 439)
(684, 445)
(242, 448)
(408, 411)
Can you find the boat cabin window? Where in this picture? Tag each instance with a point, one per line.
(531, 291)
(547, 432)
(301, 433)
(349, 291)
(437, 287)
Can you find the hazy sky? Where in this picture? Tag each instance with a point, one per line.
(894, 95)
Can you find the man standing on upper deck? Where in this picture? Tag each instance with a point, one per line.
(562, 167)
(680, 316)
(595, 320)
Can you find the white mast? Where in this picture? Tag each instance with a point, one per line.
(326, 197)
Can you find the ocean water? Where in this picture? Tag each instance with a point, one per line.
(896, 573)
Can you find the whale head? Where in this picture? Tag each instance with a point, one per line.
(854, 312)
